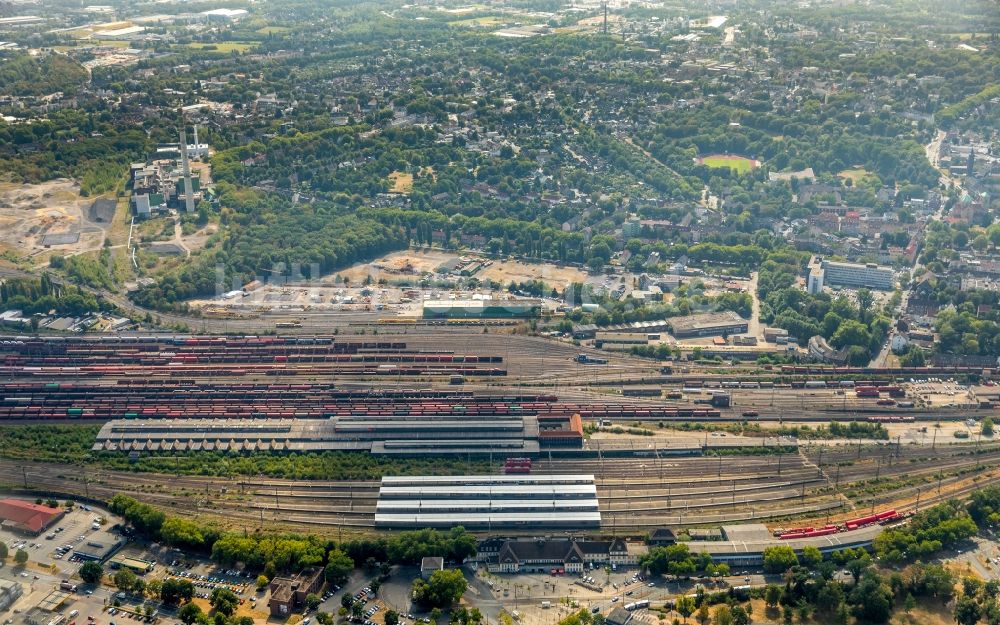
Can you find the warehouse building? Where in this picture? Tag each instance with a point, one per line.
(488, 502)
(482, 309)
(708, 324)
(398, 434)
(27, 517)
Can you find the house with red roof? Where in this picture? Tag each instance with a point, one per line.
(27, 517)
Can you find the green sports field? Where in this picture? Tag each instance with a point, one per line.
(739, 164)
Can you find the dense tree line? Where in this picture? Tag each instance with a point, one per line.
(928, 532)
(277, 553)
(25, 75)
(41, 295)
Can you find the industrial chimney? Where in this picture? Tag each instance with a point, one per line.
(186, 167)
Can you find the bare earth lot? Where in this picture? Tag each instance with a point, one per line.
(54, 209)
(416, 262)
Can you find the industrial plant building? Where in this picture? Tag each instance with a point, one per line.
(488, 502)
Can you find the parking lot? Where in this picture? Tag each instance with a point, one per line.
(73, 528)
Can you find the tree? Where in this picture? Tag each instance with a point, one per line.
(740, 615)
(124, 580)
(189, 613)
(176, 590)
(91, 572)
(723, 615)
(772, 595)
(811, 557)
(262, 582)
(872, 600)
(325, 618)
(339, 566)
(357, 609)
(435, 615)
(779, 559)
(4, 551)
(391, 618)
(857, 567)
(829, 598)
(313, 601)
(703, 616)
(21, 557)
(987, 426)
(685, 606)
(441, 590)
(967, 611)
(909, 603)
(153, 588)
(224, 601)
(346, 601)
(865, 301)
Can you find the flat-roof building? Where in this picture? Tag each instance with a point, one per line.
(708, 324)
(10, 592)
(482, 309)
(744, 545)
(118, 34)
(867, 275)
(99, 546)
(289, 593)
(136, 565)
(488, 501)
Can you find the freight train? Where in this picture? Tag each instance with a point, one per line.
(882, 518)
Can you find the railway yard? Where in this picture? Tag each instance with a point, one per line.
(676, 445)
